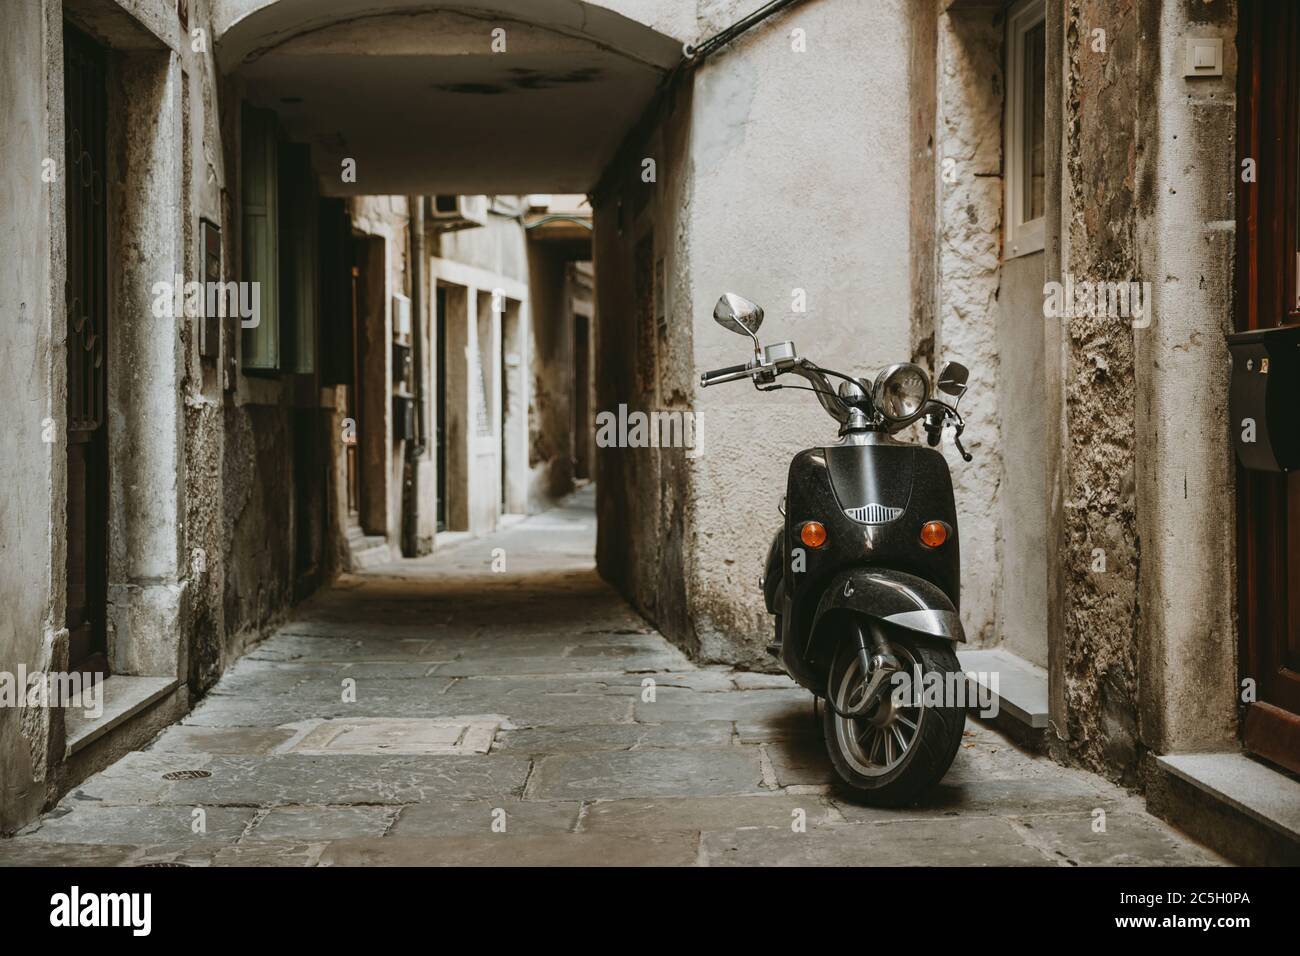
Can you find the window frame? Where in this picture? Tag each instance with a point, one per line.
(1020, 238)
(259, 149)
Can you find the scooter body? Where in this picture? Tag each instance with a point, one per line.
(864, 578)
(873, 499)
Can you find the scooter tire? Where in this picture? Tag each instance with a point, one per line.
(931, 751)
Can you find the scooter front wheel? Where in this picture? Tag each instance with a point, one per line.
(904, 744)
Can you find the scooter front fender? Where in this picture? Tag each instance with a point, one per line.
(894, 597)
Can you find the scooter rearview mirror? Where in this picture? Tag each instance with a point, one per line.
(738, 314)
(952, 379)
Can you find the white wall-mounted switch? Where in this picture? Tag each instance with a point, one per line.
(1204, 56)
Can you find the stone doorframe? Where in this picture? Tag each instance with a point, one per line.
(379, 504)
(148, 563)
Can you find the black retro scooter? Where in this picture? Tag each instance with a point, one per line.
(864, 577)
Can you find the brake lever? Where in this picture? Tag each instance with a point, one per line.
(956, 440)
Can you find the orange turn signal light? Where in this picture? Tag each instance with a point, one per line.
(813, 534)
(934, 533)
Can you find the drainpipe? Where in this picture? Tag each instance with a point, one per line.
(415, 449)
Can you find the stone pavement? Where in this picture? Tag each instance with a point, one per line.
(437, 712)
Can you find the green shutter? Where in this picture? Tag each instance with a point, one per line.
(298, 258)
(260, 235)
(335, 292)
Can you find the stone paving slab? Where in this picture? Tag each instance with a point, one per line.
(22, 851)
(742, 705)
(375, 701)
(470, 734)
(1002, 795)
(751, 680)
(800, 761)
(701, 681)
(477, 665)
(969, 841)
(713, 771)
(249, 854)
(645, 773)
(516, 687)
(471, 818)
(788, 723)
(504, 849)
(557, 740)
(301, 648)
(290, 779)
(321, 824)
(692, 814)
(283, 685)
(93, 823)
(335, 671)
(1130, 839)
(184, 738)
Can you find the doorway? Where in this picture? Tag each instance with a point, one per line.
(354, 406)
(443, 396)
(87, 351)
(1268, 294)
(370, 399)
(582, 430)
(503, 418)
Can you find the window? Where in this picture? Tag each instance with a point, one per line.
(299, 245)
(260, 236)
(1023, 160)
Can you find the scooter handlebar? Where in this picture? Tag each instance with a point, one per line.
(720, 375)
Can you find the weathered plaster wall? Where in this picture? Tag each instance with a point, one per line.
(1102, 115)
(499, 247)
(1147, 651)
(205, 553)
(967, 277)
(643, 539)
(147, 213)
(550, 414)
(750, 196)
(1185, 480)
(32, 439)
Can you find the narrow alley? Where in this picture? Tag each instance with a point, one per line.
(650, 432)
(497, 703)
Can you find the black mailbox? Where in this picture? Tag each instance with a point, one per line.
(1264, 398)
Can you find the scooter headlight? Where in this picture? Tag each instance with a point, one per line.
(900, 392)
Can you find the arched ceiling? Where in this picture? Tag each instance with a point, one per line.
(417, 95)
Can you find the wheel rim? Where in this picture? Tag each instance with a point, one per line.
(880, 742)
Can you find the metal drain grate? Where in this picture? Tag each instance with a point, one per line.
(186, 774)
(168, 865)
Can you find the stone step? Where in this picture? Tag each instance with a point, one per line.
(1021, 692)
(1241, 806)
(368, 551)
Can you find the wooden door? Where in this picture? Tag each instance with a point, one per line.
(354, 403)
(87, 350)
(1268, 244)
(581, 399)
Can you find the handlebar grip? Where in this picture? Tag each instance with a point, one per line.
(720, 375)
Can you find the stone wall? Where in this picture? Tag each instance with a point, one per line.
(1146, 649)
(32, 452)
(760, 193)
